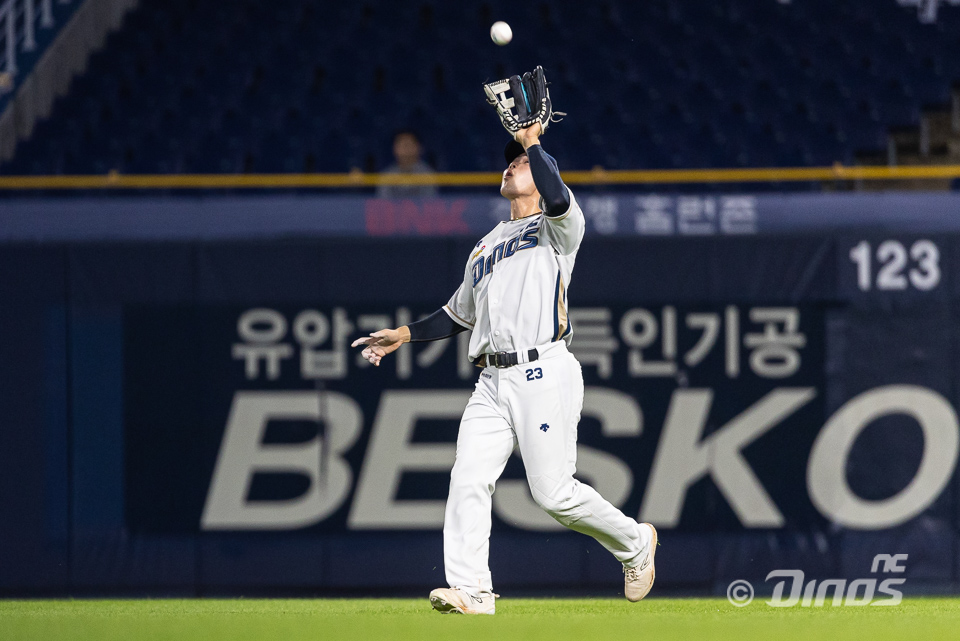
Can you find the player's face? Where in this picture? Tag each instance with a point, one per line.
(517, 179)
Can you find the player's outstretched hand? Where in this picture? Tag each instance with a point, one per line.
(379, 344)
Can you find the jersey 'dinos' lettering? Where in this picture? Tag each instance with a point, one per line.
(524, 240)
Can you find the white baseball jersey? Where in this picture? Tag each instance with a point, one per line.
(514, 290)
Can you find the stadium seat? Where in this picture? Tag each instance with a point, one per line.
(309, 86)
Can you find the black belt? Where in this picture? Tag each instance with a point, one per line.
(504, 359)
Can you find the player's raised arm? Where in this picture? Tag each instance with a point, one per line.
(526, 113)
(566, 224)
(555, 197)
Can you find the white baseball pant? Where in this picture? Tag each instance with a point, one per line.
(509, 408)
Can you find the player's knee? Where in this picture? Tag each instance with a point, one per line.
(547, 503)
(560, 502)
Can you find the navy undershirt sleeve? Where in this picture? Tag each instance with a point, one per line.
(546, 176)
(434, 327)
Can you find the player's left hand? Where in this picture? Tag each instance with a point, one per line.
(379, 344)
(529, 136)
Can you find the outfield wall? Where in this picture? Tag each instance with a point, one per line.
(185, 417)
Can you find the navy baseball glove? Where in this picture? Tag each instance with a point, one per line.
(528, 103)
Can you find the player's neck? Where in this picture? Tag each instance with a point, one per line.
(525, 206)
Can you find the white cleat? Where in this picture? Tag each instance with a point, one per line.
(449, 600)
(638, 580)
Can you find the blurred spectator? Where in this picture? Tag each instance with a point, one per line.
(406, 151)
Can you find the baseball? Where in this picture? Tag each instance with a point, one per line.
(501, 33)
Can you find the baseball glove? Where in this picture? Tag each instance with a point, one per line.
(529, 102)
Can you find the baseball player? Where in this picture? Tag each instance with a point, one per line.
(530, 391)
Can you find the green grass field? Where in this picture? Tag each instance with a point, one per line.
(406, 619)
